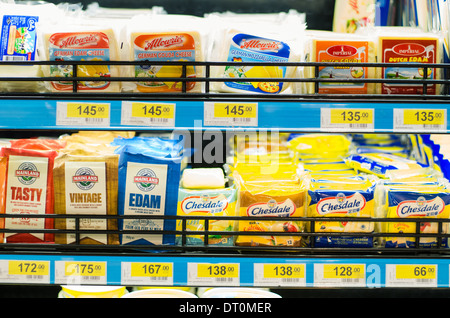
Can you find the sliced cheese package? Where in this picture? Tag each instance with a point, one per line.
(317, 145)
(214, 199)
(256, 41)
(331, 47)
(77, 41)
(148, 186)
(164, 38)
(412, 200)
(342, 197)
(19, 32)
(86, 184)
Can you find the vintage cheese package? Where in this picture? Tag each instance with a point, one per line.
(80, 42)
(86, 184)
(148, 186)
(208, 200)
(342, 197)
(29, 190)
(412, 200)
(331, 47)
(271, 198)
(256, 41)
(164, 38)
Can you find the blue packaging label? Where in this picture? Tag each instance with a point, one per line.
(18, 38)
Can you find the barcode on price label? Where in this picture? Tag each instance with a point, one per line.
(279, 274)
(345, 119)
(82, 114)
(148, 114)
(230, 114)
(72, 272)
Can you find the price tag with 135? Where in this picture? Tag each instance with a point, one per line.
(347, 119)
(420, 119)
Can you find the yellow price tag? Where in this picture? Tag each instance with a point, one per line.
(343, 271)
(218, 270)
(151, 270)
(28, 268)
(87, 110)
(235, 110)
(423, 116)
(416, 271)
(284, 271)
(85, 268)
(145, 110)
(351, 116)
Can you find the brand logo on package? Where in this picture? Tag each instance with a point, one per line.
(420, 207)
(27, 173)
(79, 40)
(409, 49)
(272, 208)
(258, 44)
(342, 50)
(146, 179)
(204, 204)
(164, 42)
(341, 204)
(85, 178)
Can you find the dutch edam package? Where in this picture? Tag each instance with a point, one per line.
(148, 186)
(86, 184)
(163, 38)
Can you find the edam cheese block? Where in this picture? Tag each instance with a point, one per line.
(164, 38)
(81, 43)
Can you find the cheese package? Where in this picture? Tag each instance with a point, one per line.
(271, 198)
(342, 197)
(29, 190)
(164, 38)
(317, 145)
(330, 47)
(213, 202)
(18, 42)
(86, 184)
(403, 201)
(148, 186)
(203, 178)
(349, 16)
(80, 42)
(269, 43)
(3, 176)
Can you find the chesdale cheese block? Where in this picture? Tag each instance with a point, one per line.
(86, 184)
(84, 44)
(166, 46)
(328, 47)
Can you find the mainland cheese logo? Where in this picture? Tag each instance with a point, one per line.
(341, 204)
(27, 173)
(204, 204)
(146, 179)
(85, 178)
(272, 208)
(420, 207)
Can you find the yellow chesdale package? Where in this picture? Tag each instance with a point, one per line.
(311, 146)
(271, 198)
(403, 201)
(342, 197)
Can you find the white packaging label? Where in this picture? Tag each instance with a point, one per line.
(145, 194)
(26, 193)
(86, 194)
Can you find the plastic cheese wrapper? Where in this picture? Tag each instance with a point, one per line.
(163, 38)
(148, 186)
(29, 190)
(349, 16)
(332, 47)
(256, 41)
(214, 201)
(18, 42)
(317, 145)
(271, 198)
(86, 184)
(408, 46)
(380, 164)
(76, 40)
(412, 200)
(342, 197)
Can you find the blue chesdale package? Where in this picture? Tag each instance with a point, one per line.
(148, 186)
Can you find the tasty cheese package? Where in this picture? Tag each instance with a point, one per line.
(163, 38)
(412, 200)
(330, 47)
(86, 184)
(76, 41)
(256, 41)
(214, 199)
(342, 197)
